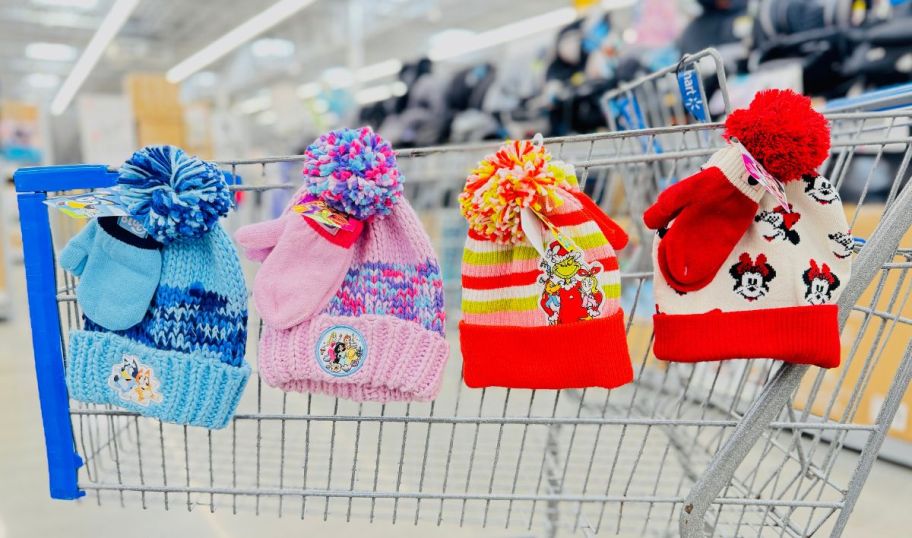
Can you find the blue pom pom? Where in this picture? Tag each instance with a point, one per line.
(172, 194)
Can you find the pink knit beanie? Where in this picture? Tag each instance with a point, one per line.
(377, 333)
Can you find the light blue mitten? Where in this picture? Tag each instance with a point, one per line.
(118, 266)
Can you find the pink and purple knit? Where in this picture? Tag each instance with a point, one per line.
(389, 310)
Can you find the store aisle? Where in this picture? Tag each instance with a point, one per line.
(27, 511)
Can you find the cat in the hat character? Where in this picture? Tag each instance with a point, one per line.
(819, 188)
(843, 244)
(752, 277)
(779, 224)
(820, 283)
(563, 267)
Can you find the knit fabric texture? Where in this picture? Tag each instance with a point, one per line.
(775, 294)
(521, 310)
(184, 362)
(380, 336)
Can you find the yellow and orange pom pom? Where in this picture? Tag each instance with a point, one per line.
(521, 174)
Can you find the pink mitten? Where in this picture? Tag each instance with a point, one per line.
(303, 266)
(257, 240)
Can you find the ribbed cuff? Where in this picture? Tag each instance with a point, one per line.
(730, 162)
(799, 334)
(591, 353)
(401, 360)
(192, 389)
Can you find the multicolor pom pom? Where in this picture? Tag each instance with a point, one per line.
(172, 194)
(354, 171)
(521, 174)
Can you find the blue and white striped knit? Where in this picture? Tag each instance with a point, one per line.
(184, 362)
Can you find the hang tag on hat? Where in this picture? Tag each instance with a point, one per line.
(764, 178)
(532, 221)
(89, 205)
(331, 219)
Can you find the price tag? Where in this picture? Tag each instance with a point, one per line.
(764, 178)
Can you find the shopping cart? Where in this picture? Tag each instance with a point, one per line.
(736, 448)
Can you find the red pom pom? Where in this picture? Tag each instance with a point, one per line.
(783, 132)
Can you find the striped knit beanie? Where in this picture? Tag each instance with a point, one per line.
(184, 361)
(540, 278)
(377, 333)
(774, 291)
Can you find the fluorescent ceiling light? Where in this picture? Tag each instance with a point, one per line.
(54, 52)
(42, 80)
(270, 47)
(255, 104)
(77, 4)
(504, 34)
(382, 69)
(109, 27)
(380, 93)
(254, 26)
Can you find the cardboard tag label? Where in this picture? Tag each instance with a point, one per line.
(531, 222)
(764, 178)
(317, 210)
(89, 205)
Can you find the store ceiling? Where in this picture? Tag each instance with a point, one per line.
(160, 33)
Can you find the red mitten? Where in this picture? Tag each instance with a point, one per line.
(711, 211)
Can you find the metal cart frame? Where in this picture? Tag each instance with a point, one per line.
(733, 448)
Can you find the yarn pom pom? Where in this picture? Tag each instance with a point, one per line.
(353, 171)
(521, 174)
(783, 132)
(172, 194)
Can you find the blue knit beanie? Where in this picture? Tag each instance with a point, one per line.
(184, 362)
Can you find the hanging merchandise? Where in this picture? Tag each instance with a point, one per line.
(163, 296)
(541, 284)
(350, 289)
(746, 266)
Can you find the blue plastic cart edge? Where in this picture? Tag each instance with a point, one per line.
(32, 183)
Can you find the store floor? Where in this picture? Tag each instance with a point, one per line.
(27, 511)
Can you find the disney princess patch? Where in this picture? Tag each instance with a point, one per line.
(134, 382)
(570, 289)
(341, 351)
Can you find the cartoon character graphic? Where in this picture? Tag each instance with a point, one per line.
(820, 189)
(341, 351)
(592, 297)
(752, 277)
(134, 382)
(779, 224)
(564, 298)
(85, 206)
(843, 244)
(123, 376)
(820, 283)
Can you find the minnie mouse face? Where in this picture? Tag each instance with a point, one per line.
(752, 277)
(820, 283)
(777, 225)
(842, 244)
(819, 188)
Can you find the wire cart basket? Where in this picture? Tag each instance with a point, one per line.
(734, 448)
